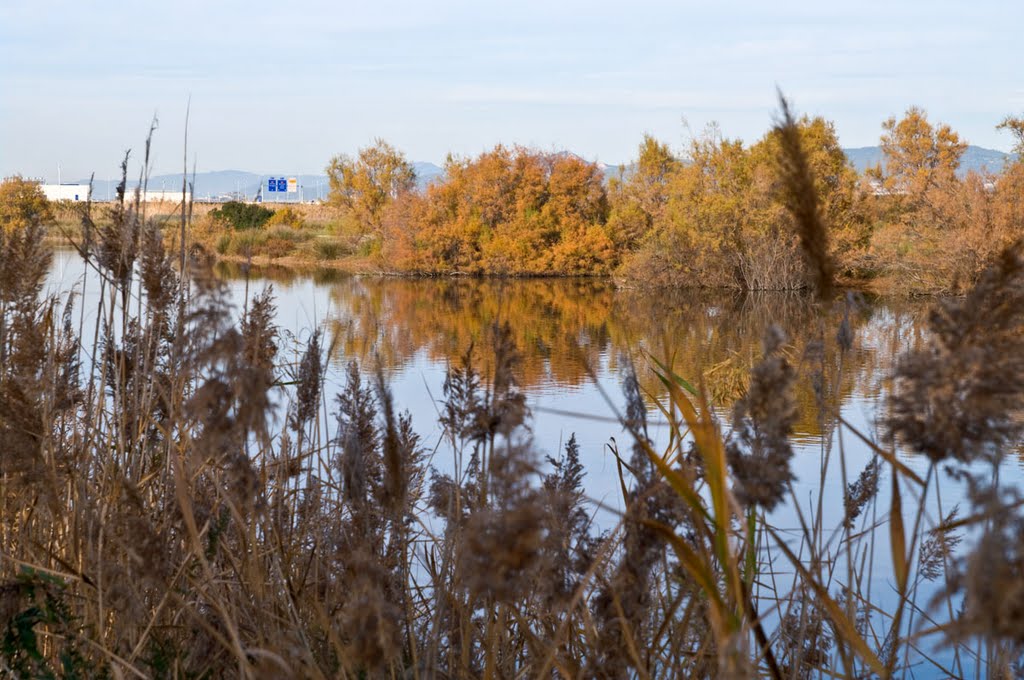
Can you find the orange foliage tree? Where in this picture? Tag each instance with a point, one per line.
(723, 222)
(23, 205)
(508, 211)
(714, 217)
(637, 201)
(936, 227)
(364, 186)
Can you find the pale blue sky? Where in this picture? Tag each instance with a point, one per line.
(279, 87)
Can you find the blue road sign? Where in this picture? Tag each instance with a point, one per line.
(282, 184)
(271, 184)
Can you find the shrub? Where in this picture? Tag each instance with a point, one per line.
(223, 243)
(272, 243)
(22, 204)
(286, 234)
(242, 216)
(282, 241)
(287, 217)
(277, 247)
(250, 243)
(329, 249)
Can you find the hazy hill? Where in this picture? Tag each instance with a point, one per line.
(427, 172)
(221, 184)
(975, 158)
(217, 184)
(224, 183)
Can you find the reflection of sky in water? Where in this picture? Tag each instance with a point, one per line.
(563, 407)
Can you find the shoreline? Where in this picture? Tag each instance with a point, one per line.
(365, 266)
(356, 265)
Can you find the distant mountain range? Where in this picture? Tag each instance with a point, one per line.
(219, 184)
(224, 184)
(976, 158)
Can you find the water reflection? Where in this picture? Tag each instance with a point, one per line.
(566, 329)
(569, 330)
(574, 334)
(238, 271)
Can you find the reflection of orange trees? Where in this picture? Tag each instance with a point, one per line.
(717, 338)
(559, 326)
(563, 326)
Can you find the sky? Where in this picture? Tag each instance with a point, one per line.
(281, 87)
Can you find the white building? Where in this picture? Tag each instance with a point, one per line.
(157, 196)
(66, 192)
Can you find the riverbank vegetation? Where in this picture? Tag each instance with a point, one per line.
(180, 498)
(713, 214)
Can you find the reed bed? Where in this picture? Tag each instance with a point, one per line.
(159, 519)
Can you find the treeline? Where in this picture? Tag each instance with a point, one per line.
(712, 216)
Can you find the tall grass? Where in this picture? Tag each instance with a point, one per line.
(160, 520)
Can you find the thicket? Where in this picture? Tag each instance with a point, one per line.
(713, 215)
(242, 216)
(509, 211)
(160, 520)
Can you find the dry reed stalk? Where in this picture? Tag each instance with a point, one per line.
(803, 202)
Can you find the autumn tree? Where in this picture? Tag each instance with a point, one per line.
(935, 228)
(941, 238)
(917, 155)
(1008, 197)
(577, 207)
(24, 259)
(364, 186)
(536, 213)
(707, 202)
(23, 205)
(1015, 126)
(638, 200)
(724, 221)
(655, 164)
(511, 210)
(836, 182)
